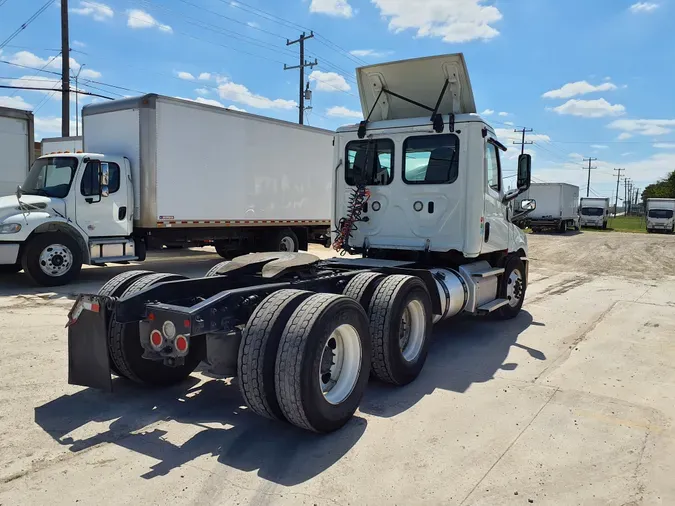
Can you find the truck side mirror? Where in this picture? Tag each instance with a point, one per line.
(528, 205)
(104, 180)
(524, 172)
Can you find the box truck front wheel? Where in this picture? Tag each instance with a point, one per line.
(285, 240)
(323, 362)
(52, 259)
(400, 325)
(258, 351)
(127, 353)
(512, 288)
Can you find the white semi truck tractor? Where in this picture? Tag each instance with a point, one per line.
(159, 170)
(418, 193)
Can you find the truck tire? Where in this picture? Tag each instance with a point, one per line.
(512, 287)
(323, 364)
(362, 287)
(52, 259)
(258, 351)
(285, 240)
(604, 226)
(563, 227)
(213, 271)
(115, 287)
(127, 353)
(400, 326)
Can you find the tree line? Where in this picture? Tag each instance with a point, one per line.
(664, 188)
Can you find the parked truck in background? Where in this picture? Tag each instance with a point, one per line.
(594, 212)
(55, 145)
(418, 192)
(174, 171)
(557, 206)
(661, 215)
(16, 147)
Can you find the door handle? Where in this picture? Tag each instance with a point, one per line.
(487, 231)
(122, 213)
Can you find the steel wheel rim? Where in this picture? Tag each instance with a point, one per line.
(340, 364)
(514, 287)
(412, 330)
(287, 244)
(55, 260)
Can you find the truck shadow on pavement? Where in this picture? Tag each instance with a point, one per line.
(464, 351)
(212, 413)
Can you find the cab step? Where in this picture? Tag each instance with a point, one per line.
(492, 305)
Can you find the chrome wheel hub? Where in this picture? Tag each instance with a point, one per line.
(515, 287)
(412, 330)
(55, 260)
(340, 364)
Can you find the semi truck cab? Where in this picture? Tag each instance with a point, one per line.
(72, 209)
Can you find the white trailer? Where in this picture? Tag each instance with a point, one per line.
(16, 147)
(57, 145)
(418, 193)
(661, 215)
(557, 206)
(169, 171)
(594, 212)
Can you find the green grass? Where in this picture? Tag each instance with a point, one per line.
(632, 224)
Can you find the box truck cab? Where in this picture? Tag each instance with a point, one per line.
(557, 207)
(594, 212)
(661, 215)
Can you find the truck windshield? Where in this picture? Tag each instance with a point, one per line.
(50, 177)
(661, 213)
(592, 211)
(369, 162)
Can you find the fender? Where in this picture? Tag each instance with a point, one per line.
(61, 225)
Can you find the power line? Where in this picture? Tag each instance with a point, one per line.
(523, 142)
(6, 86)
(618, 178)
(589, 160)
(303, 63)
(26, 23)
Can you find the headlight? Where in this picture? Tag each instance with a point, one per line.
(10, 228)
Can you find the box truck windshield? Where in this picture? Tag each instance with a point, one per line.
(661, 213)
(50, 177)
(592, 211)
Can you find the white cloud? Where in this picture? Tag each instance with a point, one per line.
(329, 81)
(487, 112)
(503, 114)
(453, 21)
(15, 103)
(204, 76)
(623, 136)
(235, 108)
(643, 7)
(208, 101)
(137, 18)
(253, 24)
(627, 153)
(342, 112)
(337, 8)
(664, 145)
(28, 59)
(590, 108)
(599, 146)
(96, 10)
(363, 53)
(48, 126)
(185, 75)
(202, 91)
(643, 126)
(578, 88)
(241, 94)
(90, 74)
(36, 82)
(510, 123)
(77, 43)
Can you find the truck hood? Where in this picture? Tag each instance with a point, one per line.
(9, 206)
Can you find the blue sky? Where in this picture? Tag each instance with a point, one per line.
(591, 78)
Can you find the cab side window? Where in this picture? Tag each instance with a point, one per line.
(89, 185)
(494, 179)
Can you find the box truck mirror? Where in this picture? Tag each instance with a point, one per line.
(524, 172)
(104, 180)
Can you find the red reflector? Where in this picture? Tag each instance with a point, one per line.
(186, 323)
(151, 317)
(156, 338)
(181, 343)
(95, 308)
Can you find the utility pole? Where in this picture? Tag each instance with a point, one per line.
(65, 71)
(77, 102)
(616, 199)
(522, 143)
(303, 64)
(630, 197)
(588, 187)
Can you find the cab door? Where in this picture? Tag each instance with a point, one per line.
(99, 215)
(496, 227)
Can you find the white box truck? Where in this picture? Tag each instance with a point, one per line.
(56, 145)
(661, 215)
(557, 206)
(173, 170)
(16, 147)
(594, 212)
(418, 192)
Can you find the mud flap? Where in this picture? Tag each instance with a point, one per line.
(88, 360)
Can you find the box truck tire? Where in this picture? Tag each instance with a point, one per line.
(52, 259)
(512, 288)
(285, 240)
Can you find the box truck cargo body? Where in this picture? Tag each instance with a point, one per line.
(159, 170)
(16, 147)
(661, 215)
(53, 145)
(557, 206)
(594, 212)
